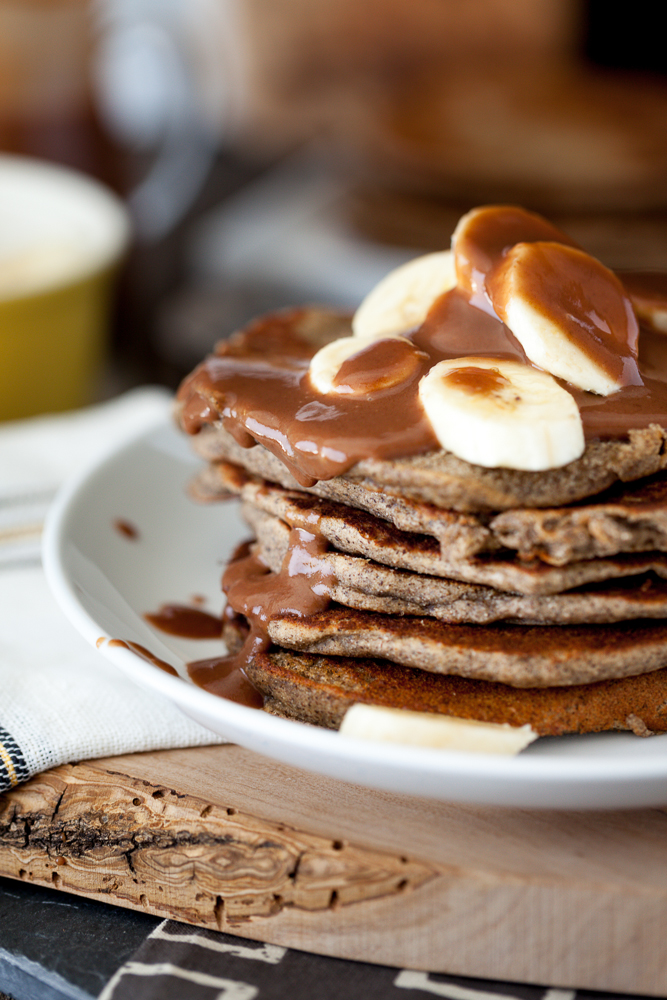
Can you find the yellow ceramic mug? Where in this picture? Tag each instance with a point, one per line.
(62, 236)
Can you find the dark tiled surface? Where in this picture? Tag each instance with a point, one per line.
(59, 947)
(54, 946)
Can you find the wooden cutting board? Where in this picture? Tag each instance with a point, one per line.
(224, 838)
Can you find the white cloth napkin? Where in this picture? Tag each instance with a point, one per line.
(60, 700)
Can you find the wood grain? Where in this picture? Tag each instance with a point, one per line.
(222, 838)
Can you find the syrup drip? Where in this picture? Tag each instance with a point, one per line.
(302, 587)
(145, 654)
(184, 621)
(126, 528)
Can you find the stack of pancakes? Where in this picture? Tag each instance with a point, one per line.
(440, 586)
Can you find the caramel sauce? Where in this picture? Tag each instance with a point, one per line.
(302, 588)
(220, 675)
(318, 436)
(224, 677)
(488, 235)
(578, 294)
(126, 528)
(145, 654)
(632, 407)
(474, 380)
(453, 329)
(186, 622)
(383, 364)
(271, 400)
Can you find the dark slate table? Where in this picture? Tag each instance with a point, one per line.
(56, 947)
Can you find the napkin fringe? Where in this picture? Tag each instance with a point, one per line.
(13, 766)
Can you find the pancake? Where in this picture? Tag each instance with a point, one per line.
(349, 529)
(522, 656)
(624, 519)
(437, 477)
(293, 609)
(359, 534)
(459, 535)
(319, 690)
(452, 484)
(369, 586)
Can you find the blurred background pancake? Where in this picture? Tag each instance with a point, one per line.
(274, 154)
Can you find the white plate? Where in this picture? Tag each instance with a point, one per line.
(105, 582)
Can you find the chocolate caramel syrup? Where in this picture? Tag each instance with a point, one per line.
(586, 302)
(145, 654)
(473, 380)
(221, 675)
(302, 587)
(224, 676)
(382, 365)
(126, 528)
(270, 399)
(489, 234)
(186, 622)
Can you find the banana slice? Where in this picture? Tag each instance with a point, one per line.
(502, 414)
(400, 302)
(570, 313)
(377, 364)
(654, 316)
(648, 292)
(442, 732)
(484, 234)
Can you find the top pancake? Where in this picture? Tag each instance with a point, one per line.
(439, 477)
(447, 482)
